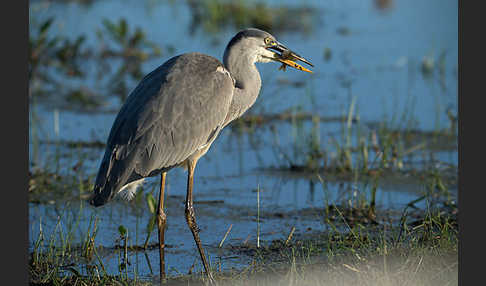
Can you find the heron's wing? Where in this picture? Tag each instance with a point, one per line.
(174, 110)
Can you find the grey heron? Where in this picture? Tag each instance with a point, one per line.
(176, 112)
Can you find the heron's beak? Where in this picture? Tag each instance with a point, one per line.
(288, 57)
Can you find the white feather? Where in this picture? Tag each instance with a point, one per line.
(264, 55)
(129, 191)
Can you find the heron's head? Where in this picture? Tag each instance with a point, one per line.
(261, 46)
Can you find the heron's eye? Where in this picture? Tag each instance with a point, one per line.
(270, 42)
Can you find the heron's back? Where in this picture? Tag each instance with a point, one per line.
(174, 111)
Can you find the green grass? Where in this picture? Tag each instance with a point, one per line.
(397, 266)
(359, 149)
(356, 236)
(420, 250)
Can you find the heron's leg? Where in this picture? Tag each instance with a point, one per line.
(191, 219)
(161, 221)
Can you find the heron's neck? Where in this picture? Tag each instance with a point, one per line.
(248, 82)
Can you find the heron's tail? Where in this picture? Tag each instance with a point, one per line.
(112, 177)
(97, 199)
(102, 195)
(105, 187)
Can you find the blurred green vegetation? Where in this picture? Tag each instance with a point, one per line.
(53, 52)
(56, 61)
(216, 15)
(130, 48)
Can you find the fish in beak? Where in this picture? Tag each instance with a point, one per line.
(287, 57)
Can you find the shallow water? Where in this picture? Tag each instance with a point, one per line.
(376, 58)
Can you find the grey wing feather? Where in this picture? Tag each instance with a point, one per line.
(174, 111)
